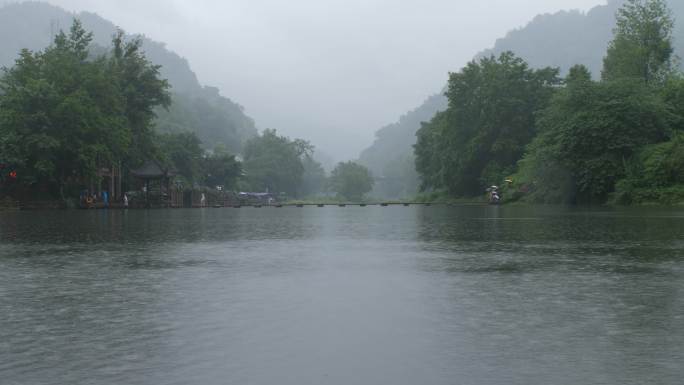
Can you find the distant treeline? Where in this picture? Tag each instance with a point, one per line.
(69, 111)
(571, 140)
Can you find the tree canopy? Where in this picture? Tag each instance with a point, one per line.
(274, 163)
(64, 113)
(221, 169)
(587, 133)
(490, 119)
(576, 141)
(183, 153)
(351, 181)
(561, 39)
(313, 178)
(202, 110)
(642, 47)
(600, 139)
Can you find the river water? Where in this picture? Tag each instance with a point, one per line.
(393, 295)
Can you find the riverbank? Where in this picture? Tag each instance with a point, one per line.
(8, 204)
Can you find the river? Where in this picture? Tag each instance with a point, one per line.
(376, 295)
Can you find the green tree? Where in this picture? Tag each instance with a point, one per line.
(221, 169)
(601, 138)
(183, 152)
(481, 136)
(655, 174)
(431, 154)
(142, 90)
(64, 113)
(61, 114)
(274, 163)
(399, 179)
(642, 46)
(351, 181)
(313, 178)
(588, 133)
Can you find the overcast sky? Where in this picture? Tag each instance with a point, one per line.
(330, 71)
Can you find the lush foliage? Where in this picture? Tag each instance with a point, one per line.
(642, 47)
(63, 114)
(221, 169)
(587, 134)
(561, 39)
(184, 154)
(350, 181)
(398, 179)
(582, 141)
(202, 110)
(313, 178)
(612, 138)
(275, 163)
(490, 119)
(656, 174)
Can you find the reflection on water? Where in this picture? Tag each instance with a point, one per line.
(434, 295)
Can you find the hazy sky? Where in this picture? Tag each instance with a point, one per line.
(331, 71)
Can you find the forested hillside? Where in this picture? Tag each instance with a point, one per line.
(202, 110)
(577, 140)
(561, 40)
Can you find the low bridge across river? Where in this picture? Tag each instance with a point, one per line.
(301, 205)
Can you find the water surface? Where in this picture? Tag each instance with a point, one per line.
(394, 295)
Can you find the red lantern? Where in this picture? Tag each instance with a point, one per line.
(13, 174)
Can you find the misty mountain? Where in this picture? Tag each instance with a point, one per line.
(196, 108)
(399, 135)
(562, 40)
(566, 38)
